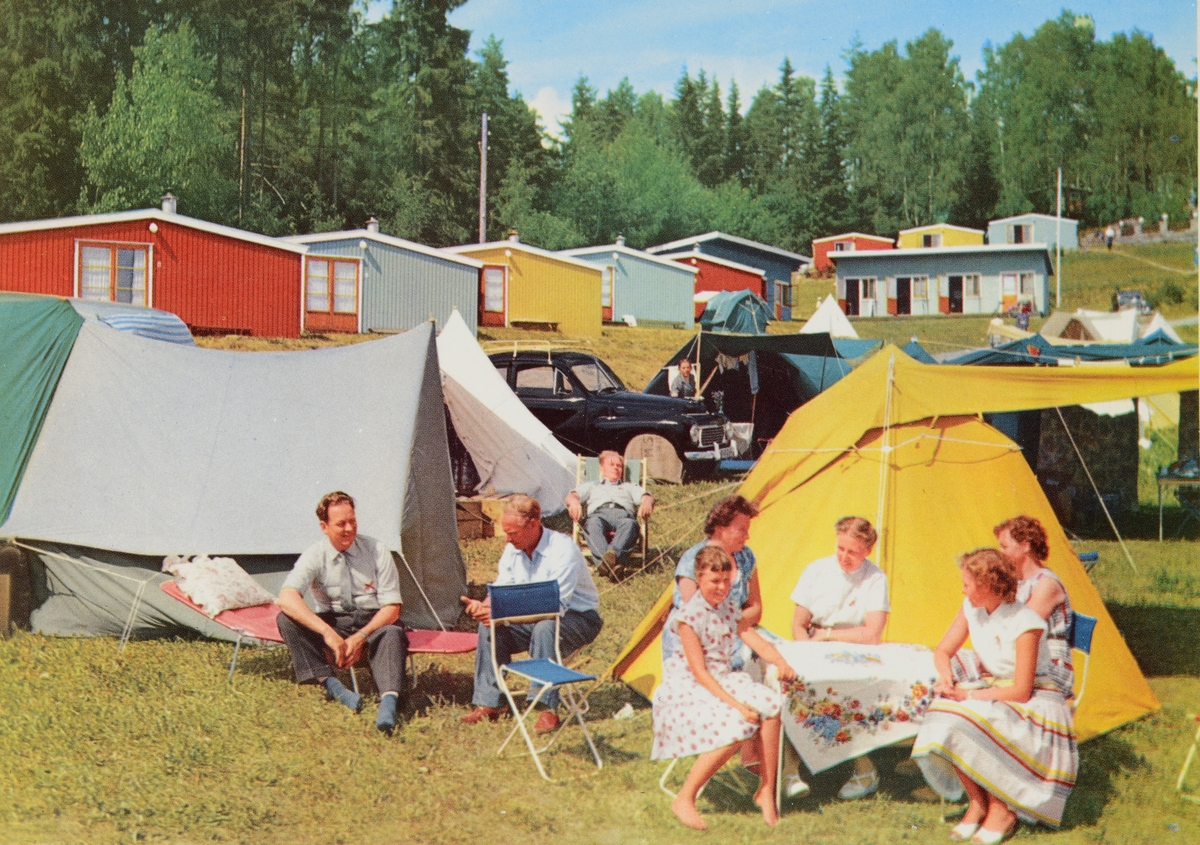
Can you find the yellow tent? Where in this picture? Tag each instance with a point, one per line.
(934, 479)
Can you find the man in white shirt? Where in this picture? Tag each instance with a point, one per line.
(356, 590)
(533, 553)
(613, 505)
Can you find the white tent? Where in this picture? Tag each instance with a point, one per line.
(829, 319)
(512, 450)
(153, 448)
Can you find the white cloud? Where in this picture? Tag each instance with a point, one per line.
(551, 107)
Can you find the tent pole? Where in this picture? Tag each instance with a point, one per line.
(1096, 490)
(885, 451)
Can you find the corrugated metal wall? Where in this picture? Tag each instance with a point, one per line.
(402, 289)
(211, 282)
(545, 289)
(648, 290)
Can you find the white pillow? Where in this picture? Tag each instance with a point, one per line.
(216, 584)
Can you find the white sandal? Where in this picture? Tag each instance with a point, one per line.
(859, 786)
(963, 831)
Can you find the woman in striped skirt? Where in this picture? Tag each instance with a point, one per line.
(1009, 737)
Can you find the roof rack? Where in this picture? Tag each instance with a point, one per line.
(537, 345)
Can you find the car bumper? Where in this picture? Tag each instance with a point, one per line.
(716, 453)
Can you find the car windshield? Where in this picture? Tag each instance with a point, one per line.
(596, 377)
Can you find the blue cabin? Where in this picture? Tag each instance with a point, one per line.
(652, 290)
(1034, 229)
(777, 264)
(944, 280)
(402, 283)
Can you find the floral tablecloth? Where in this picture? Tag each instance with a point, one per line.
(849, 699)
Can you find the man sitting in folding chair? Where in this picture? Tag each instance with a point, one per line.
(356, 588)
(613, 504)
(533, 553)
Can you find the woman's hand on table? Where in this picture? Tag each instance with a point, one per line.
(946, 689)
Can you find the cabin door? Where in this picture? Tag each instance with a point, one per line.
(903, 295)
(852, 287)
(956, 294)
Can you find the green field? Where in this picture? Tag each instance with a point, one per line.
(151, 745)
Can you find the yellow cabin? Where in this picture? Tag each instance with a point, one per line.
(521, 284)
(938, 234)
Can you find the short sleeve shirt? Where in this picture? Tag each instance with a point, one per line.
(994, 636)
(838, 599)
(363, 577)
(624, 494)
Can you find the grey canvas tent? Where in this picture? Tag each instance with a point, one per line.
(153, 448)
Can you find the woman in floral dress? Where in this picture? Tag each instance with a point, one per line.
(705, 707)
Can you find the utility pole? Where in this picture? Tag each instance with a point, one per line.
(483, 136)
(1058, 247)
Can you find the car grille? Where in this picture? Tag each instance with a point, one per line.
(710, 435)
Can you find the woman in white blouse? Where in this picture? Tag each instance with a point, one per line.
(843, 598)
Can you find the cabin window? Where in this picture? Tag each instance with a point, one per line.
(971, 284)
(931, 240)
(920, 287)
(843, 246)
(1020, 233)
(868, 288)
(114, 272)
(783, 294)
(1027, 284)
(606, 276)
(493, 289)
(332, 285)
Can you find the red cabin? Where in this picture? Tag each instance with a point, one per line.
(714, 275)
(217, 279)
(849, 242)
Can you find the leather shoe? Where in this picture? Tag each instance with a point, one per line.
(546, 722)
(479, 714)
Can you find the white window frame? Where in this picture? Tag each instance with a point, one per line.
(1027, 284)
(334, 301)
(492, 298)
(934, 238)
(972, 285)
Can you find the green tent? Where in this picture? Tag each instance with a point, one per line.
(37, 333)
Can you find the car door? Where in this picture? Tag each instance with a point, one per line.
(553, 398)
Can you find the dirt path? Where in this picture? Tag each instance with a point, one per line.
(1153, 263)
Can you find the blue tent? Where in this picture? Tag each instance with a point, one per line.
(762, 378)
(1155, 348)
(736, 311)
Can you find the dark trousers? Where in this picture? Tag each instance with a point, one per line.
(387, 648)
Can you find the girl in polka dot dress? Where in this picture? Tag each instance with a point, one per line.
(703, 706)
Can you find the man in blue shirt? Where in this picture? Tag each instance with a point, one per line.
(533, 553)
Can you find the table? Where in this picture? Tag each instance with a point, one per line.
(1173, 481)
(850, 699)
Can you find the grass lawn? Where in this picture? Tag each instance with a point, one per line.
(151, 745)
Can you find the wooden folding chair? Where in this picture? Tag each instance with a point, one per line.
(528, 604)
(637, 471)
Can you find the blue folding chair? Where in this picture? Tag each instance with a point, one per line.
(1080, 637)
(528, 604)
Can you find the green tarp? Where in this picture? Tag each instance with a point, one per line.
(36, 333)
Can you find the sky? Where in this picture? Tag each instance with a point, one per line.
(549, 44)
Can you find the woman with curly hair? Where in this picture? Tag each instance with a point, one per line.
(1009, 737)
